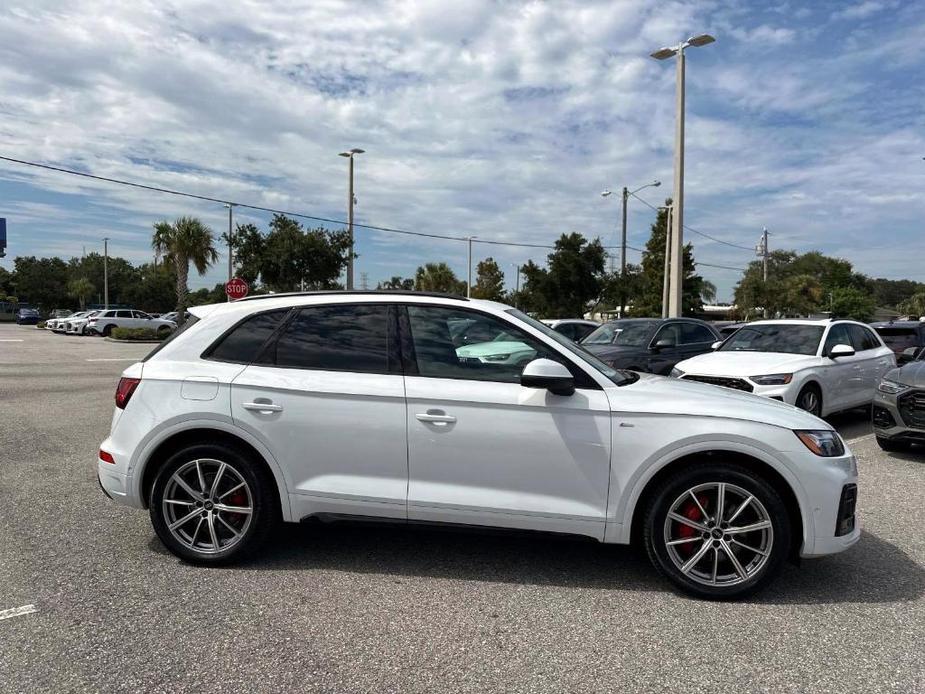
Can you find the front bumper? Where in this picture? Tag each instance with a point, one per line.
(889, 423)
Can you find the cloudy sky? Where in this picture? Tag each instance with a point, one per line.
(502, 120)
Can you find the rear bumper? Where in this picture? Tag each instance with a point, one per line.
(117, 485)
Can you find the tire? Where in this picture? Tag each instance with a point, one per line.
(193, 541)
(892, 446)
(163, 331)
(768, 547)
(107, 331)
(810, 399)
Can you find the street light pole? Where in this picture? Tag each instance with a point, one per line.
(675, 307)
(230, 207)
(469, 265)
(106, 273)
(626, 194)
(349, 155)
(666, 281)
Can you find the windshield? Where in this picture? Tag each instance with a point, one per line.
(623, 333)
(619, 377)
(775, 337)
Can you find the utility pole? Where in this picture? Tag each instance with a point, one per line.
(469, 265)
(626, 195)
(516, 267)
(230, 207)
(762, 251)
(350, 203)
(675, 307)
(666, 283)
(106, 273)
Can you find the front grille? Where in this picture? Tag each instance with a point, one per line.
(724, 381)
(849, 499)
(912, 409)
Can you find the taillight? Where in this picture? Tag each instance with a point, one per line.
(106, 457)
(124, 391)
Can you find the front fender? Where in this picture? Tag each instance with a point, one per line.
(627, 490)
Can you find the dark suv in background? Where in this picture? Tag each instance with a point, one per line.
(653, 345)
(902, 336)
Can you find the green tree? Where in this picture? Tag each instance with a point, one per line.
(122, 276)
(41, 282)
(489, 281)
(185, 241)
(155, 288)
(438, 277)
(396, 283)
(81, 288)
(648, 302)
(571, 283)
(891, 293)
(914, 305)
(249, 249)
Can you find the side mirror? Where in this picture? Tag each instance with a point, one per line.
(548, 374)
(664, 343)
(716, 345)
(907, 355)
(841, 351)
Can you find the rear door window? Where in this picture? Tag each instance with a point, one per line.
(338, 337)
(691, 333)
(243, 343)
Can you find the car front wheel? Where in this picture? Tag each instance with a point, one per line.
(810, 399)
(210, 504)
(717, 531)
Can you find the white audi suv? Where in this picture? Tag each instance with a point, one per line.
(345, 405)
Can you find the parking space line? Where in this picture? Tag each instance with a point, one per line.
(11, 339)
(113, 359)
(17, 611)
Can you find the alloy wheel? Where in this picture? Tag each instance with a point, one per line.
(207, 506)
(718, 534)
(809, 401)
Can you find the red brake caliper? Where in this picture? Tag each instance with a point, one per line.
(690, 511)
(237, 499)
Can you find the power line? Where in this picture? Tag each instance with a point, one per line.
(707, 236)
(722, 267)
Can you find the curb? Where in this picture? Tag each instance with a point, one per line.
(133, 342)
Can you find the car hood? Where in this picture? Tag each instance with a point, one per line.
(912, 374)
(670, 396)
(608, 352)
(746, 363)
(482, 349)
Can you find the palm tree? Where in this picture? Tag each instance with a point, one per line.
(185, 241)
(81, 288)
(438, 277)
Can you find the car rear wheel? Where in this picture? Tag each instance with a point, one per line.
(107, 331)
(810, 399)
(163, 331)
(210, 504)
(717, 531)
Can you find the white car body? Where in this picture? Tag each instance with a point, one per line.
(845, 382)
(105, 321)
(450, 450)
(78, 326)
(56, 324)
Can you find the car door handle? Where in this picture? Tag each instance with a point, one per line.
(262, 407)
(435, 417)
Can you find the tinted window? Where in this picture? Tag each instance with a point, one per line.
(788, 338)
(123, 314)
(862, 339)
(670, 332)
(838, 335)
(341, 337)
(243, 343)
(899, 339)
(500, 356)
(582, 330)
(626, 333)
(567, 329)
(692, 333)
(142, 314)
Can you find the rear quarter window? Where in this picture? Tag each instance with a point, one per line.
(244, 341)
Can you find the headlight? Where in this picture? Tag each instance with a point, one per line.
(772, 379)
(891, 387)
(825, 443)
(676, 372)
(496, 357)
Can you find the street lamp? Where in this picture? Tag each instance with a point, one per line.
(106, 272)
(469, 264)
(350, 203)
(677, 238)
(626, 194)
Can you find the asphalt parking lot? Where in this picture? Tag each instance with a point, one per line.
(382, 609)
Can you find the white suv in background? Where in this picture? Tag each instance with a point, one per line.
(104, 322)
(350, 404)
(821, 366)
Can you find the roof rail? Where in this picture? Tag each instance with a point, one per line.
(358, 292)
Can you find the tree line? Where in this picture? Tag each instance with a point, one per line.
(575, 280)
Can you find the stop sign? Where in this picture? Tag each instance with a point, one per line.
(236, 288)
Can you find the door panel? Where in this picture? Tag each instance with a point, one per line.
(844, 376)
(335, 434)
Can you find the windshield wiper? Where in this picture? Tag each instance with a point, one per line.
(628, 377)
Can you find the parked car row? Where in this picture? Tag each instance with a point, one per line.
(103, 322)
